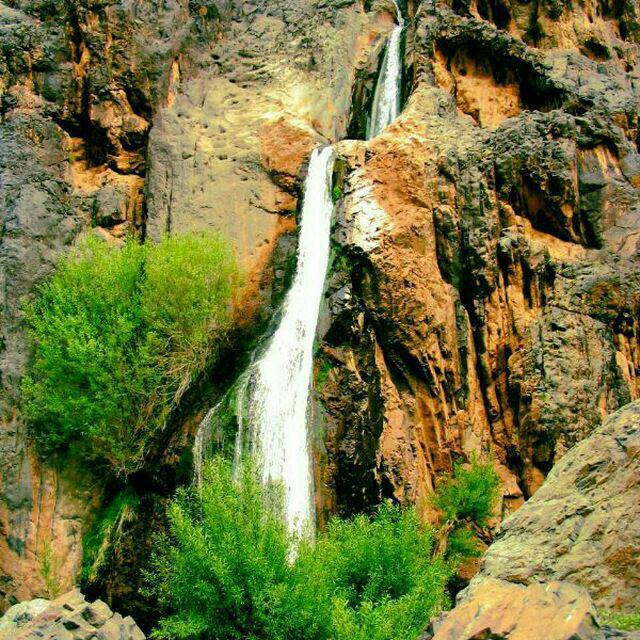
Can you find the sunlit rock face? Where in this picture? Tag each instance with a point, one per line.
(485, 297)
(582, 525)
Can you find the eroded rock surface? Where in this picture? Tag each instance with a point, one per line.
(78, 84)
(485, 291)
(583, 525)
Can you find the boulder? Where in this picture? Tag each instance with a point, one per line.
(583, 525)
(502, 610)
(68, 617)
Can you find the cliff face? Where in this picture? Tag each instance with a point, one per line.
(484, 289)
(78, 82)
(237, 93)
(582, 526)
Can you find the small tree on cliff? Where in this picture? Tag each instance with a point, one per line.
(466, 502)
(118, 335)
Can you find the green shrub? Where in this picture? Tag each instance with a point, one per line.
(105, 534)
(225, 561)
(118, 335)
(367, 578)
(623, 621)
(225, 570)
(466, 502)
(469, 495)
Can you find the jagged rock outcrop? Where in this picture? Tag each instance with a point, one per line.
(501, 610)
(573, 546)
(67, 617)
(583, 525)
(485, 290)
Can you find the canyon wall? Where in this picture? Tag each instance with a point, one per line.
(124, 117)
(484, 294)
(484, 288)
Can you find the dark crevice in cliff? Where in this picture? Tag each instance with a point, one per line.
(362, 100)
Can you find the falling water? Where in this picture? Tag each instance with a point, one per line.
(270, 399)
(279, 383)
(386, 99)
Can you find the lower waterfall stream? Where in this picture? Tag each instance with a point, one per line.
(279, 383)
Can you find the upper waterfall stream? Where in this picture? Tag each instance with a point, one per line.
(387, 95)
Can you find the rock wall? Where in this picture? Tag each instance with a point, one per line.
(79, 82)
(484, 292)
(582, 525)
(484, 289)
(123, 117)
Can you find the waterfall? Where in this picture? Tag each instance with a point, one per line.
(279, 385)
(270, 400)
(386, 99)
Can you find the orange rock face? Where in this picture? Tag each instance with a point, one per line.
(497, 609)
(486, 295)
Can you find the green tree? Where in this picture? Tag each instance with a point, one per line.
(225, 569)
(118, 335)
(466, 502)
(224, 563)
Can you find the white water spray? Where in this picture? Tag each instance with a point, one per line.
(387, 96)
(279, 384)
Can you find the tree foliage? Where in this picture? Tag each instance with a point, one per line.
(225, 570)
(118, 335)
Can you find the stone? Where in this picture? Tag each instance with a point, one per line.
(500, 610)
(96, 613)
(20, 615)
(583, 524)
(68, 617)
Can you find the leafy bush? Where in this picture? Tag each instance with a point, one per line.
(118, 335)
(105, 535)
(623, 621)
(367, 578)
(226, 559)
(226, 572)
(466, 501)
(469, 495)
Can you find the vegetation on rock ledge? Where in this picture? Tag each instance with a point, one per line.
(119, 334)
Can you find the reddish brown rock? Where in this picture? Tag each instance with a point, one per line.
(498, 610)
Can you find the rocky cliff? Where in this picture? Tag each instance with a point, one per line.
(573, 545)
(484, 288)
(484, 294)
